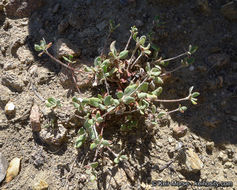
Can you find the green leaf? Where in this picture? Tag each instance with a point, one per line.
(88, 123)
(81, 131)
(66, 59)
(111, 108)
(142, 95)
(94, 164)
(158, 80)
(78, 144)
(87, 69)
(193, 101)
(119, 95)
(158, 91)
(102, 107)
(86, 101)
(161, 114)
(135, 35)
(93, 146)
(81, 137)
(99, 119)
(192, 49)
(42, 43)
(116, 102)
(191, 89)
(97, 61)
(153, 108)
(123, 54)
(97, 114)
(108, 100)
(190, 60)
(94, 101)
(148, 67)
(113, 49)
(148, 52)
(155, 47)
(105, 143)
(37, 47)
(164, 63)
(52, 100)
(116, 160)
(151, 96)
(130, 89)
(195, 94)
(183, 109)
(155, 71)
(142, 40)
(123, 157)
(144, 87)
(128, 99)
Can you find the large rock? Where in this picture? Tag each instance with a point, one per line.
(22, 8)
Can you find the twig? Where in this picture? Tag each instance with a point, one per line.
(176, 69)
(141, 54)
(36, 93)
(58, 61)
(139, 86)
(106, 84)
(133, 53)
(173, 58)
(172, 111)
(174, 100)
(129, 40)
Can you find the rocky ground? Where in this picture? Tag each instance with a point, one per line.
(81, 27)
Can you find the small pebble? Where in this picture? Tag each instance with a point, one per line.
(10, 108)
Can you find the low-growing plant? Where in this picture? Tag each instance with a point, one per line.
(133, 81)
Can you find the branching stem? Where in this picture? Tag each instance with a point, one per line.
(174, 100)
(129, 40)
(176, 69)
(141, 54)
(176, 57)
(58, 61)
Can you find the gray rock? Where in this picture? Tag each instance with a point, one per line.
(3, 167)
(228, 165)
(41, 185)
(12, 81)
(54, 136)
(202, 6)
(229, 10)
(4, 95)
(25, 55)
(210, 146)
(64, 48)
(102, 25)
(75, 20)
(10, 65)
(193, 162)
(223, 157)
(138, 23)
(21, 9)
(63, 25)
(179, 131)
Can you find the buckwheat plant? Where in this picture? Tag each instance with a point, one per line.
(133, 80)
